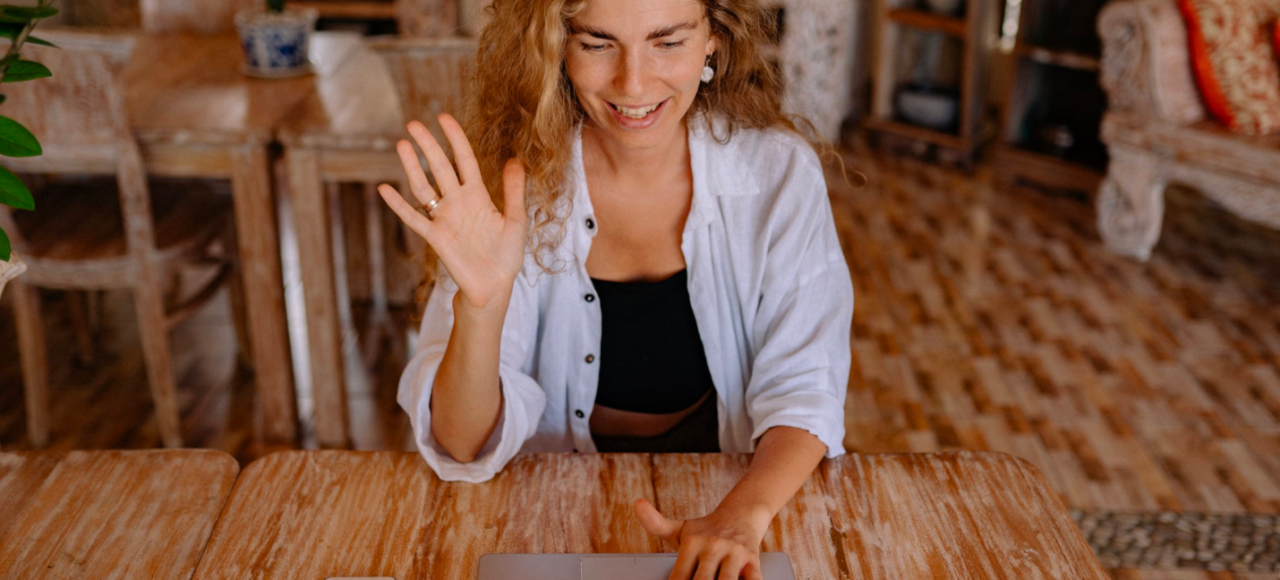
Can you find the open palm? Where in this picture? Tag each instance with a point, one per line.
(482, 248)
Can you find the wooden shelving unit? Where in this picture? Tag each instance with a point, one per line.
(972, 33)
(1054, 108)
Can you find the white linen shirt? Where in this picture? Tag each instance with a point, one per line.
(769, 287)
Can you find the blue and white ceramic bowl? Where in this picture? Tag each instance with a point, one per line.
(275, 44)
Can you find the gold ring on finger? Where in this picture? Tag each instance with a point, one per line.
(429, 206)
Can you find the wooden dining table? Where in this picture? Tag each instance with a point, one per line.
(196, 115)
(320, 514)
(109, 514)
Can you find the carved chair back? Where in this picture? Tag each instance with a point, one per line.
(80, 118)
(431, 75)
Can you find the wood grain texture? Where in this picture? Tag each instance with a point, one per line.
(109, 514)
(319, 514)
(333, 513)
(955, 515)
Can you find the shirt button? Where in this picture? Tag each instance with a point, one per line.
(590, 297)
(591, 358)
(579, 414)
(591, 224)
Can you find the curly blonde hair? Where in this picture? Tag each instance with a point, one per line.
(521, 103)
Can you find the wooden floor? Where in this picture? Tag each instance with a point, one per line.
(985, 320)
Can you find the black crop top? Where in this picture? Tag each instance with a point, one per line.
(651, 356)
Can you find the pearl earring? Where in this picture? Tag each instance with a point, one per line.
(708, 73)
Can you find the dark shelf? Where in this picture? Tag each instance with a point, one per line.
(1058, 57)
(925, 20)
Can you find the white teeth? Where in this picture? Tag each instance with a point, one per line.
(636, 113)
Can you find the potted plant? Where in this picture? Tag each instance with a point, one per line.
(16, 24)
(275, 39)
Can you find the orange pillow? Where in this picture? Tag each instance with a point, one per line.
(1234, 64)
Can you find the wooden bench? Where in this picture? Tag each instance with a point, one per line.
(1158, 133)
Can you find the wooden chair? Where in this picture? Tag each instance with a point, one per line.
(427, 18)
(430, 76)
(90, 237)
(198, 16)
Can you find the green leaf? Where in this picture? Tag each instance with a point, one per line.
(10, 30)
(40, 41)
(16, 140)
(27, 12)
(5, 251)
(14, 193)
(26, 70)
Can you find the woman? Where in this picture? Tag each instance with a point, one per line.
(676, 283)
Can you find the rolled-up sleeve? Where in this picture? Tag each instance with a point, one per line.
(522, 398)
(801, 329)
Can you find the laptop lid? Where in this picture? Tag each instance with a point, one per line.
(774, 566)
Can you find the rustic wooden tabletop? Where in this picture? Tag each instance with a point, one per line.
(109, 514)
(316, 514)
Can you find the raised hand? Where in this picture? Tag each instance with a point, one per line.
(482, 248)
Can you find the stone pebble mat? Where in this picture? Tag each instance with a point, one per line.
(1167, 540)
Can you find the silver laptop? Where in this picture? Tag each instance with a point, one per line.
(774, 566)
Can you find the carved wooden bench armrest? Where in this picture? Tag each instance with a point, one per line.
(1146, 67)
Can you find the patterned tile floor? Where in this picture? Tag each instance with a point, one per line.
(995, 320)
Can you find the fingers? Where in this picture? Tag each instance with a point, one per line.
(708, 563)
(731, 567)
(686, 559)
(753, 569)
(468, 168)
(654, 522)
(441, 167)
(513, 181)
(407, 213)
(418, 183)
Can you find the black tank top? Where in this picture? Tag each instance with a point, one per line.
(651, 356)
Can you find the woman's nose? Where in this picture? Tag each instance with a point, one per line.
(630, 79)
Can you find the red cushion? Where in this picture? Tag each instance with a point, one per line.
(1234, 62)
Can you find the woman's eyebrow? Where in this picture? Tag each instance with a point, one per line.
(669, 30)
(659, 33)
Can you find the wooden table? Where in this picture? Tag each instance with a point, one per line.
(314, 514)
(344, 131)
(109, 514)
(197, 116)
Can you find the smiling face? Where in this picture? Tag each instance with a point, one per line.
(636, 66)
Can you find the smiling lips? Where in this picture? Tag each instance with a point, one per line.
(636, 112)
